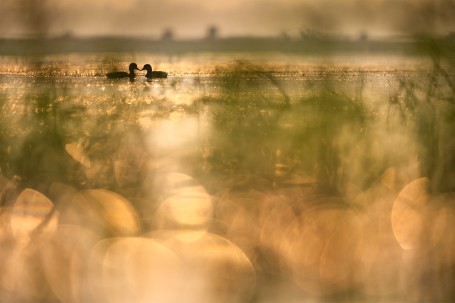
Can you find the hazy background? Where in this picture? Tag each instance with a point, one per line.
(190, 19)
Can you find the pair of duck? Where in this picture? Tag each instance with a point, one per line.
(133, 66)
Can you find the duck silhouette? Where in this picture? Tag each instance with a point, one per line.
(153, 74)
(120, 75)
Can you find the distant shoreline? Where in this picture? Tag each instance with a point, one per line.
(62, 45)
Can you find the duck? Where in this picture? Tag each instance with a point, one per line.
(119, 75)
(153, 74)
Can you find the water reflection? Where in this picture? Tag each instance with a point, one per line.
(245, 185)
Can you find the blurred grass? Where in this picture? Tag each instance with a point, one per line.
(334, 137)
(258, 128)
(329, 131)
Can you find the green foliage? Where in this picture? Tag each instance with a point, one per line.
(245, 114)
(258, 128)
(432, 113)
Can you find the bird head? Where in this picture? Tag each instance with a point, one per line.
(147, 67)
(133, 66)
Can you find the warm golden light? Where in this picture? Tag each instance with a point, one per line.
(233, 152)
(115, 212)
(32, 213)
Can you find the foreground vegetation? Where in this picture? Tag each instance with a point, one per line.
(329, 195)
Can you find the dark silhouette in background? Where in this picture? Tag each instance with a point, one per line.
(168, 35)
(212, 32)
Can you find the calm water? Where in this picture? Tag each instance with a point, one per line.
(240, 178)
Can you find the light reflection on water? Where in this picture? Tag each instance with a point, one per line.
(277, 178)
